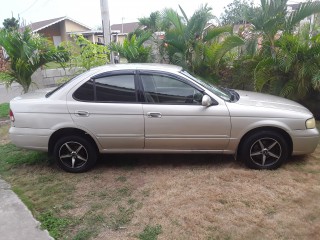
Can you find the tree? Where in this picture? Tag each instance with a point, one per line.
(287, 63)
(195, 46)
(85, 54)
(27, 52)
(273, 18)
(132, 49)
(151, 23)
(294, 71)
(11, 24)
(236, 12)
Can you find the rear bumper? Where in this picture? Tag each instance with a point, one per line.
(29, 138)
(304, 141)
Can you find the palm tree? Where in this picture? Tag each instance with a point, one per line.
(133, 49)
(294, 71)
(287, 63)
(151, 23)
(192, 44)
(273, 18)
(27, 52)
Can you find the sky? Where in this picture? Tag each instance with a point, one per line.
(88, 12)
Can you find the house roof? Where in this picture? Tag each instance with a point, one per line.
(37, 26)
(127, 27)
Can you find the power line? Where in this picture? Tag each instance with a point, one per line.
(29, 7)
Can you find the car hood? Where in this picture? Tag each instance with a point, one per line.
(268, 101)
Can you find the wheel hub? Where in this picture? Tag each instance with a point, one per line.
(265, 152)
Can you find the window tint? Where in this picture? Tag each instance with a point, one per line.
(163, 89)
(85, 92)
(119, 88)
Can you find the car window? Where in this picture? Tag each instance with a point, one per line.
(85, 92)
(118, 88)
(168, 90)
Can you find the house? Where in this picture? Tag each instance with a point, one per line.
(120, 31)
(60, 29)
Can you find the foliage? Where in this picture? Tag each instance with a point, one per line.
(86, 54)
(294, 70)
(28, 52)
(55, 225)
(133, 49)
(192, 45)
(11, 24)
(236, 11)
(151, 23)
(4, 110)
(150, 232)
(273, 18)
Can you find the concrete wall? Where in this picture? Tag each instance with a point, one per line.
(52, 77)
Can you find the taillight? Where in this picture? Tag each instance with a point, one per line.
(11, 116)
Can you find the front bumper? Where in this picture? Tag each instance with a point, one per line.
(304, 141)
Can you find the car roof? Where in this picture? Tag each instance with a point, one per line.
(139, 66)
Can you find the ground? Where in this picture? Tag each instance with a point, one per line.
(168, 196)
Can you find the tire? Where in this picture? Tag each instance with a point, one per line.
(264, 150)
(75, 154)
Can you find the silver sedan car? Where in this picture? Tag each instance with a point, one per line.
(154, 108)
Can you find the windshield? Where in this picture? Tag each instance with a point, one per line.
(224, 93)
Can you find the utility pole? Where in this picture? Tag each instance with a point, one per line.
(104, 6)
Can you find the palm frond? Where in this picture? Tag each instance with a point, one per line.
(305, 10)
(263, 73)
(216, 32)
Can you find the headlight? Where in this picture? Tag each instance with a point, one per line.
(311, 123)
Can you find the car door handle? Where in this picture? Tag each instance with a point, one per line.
(154, 115)
(82, 113)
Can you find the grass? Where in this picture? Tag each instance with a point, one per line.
(150, 232)
(4, 110)
(148, 197)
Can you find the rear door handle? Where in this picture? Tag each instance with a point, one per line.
(154, 115)
(82, 113)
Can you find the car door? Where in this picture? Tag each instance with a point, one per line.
(175, 118)
(107, 106)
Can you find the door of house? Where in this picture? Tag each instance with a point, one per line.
(56, 40)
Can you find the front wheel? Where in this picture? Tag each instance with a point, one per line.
(75, 154)
(264, 150)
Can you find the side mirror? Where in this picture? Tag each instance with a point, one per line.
(206, 101)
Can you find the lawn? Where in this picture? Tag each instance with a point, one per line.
(4, 111)
(167, 196)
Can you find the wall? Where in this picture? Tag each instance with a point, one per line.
(53, 30)
(52, 77)
(74, 27)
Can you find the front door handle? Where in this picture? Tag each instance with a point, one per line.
(154, 115)
(82, 113)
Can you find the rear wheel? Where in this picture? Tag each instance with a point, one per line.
(75, 154)
(264, 150)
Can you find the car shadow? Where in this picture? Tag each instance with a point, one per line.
(164, 160)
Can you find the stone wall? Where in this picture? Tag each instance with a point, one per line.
(52, 77)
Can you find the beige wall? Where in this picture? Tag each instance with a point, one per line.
(74, 27)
